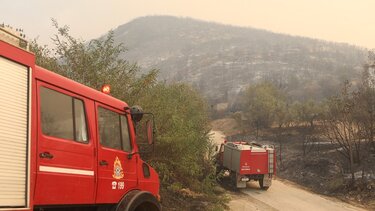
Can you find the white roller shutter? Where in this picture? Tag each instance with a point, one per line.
(13, 133)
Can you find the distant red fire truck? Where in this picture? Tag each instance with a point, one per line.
(247, 161)
(65, 146)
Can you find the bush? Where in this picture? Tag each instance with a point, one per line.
(182, 141)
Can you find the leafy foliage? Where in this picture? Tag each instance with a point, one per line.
(263, 104)
(308, 111)
(182, 141)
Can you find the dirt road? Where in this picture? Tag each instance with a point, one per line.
(280, 196)
(285, 196)
(217, 137)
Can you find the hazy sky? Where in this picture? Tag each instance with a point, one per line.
(350, 21)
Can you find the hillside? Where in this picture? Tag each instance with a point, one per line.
(221, 60)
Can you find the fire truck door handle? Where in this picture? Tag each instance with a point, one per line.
(46, 155)
(103, 163)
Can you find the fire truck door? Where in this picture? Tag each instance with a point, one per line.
(65, 151)
(116, 171)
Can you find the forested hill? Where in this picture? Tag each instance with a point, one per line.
(221, 60)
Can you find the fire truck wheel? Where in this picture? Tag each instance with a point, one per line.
(261, 181)
(138, 201)
(218, 169)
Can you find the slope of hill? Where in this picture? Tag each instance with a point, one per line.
(221, 60)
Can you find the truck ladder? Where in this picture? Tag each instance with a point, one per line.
(270, 161)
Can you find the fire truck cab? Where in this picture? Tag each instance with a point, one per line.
(63, 145)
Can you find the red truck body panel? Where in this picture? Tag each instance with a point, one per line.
(253, 162)
(247, 159)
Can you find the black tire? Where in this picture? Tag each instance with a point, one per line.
(262, 186)
(233, 177)
(219, 174)
(218, 169)
(149, 204)
(139, 201)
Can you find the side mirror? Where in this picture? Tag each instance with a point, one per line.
(150, 131)
(136, 113)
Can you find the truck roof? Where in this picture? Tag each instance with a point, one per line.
(248, 146)
(77, 88)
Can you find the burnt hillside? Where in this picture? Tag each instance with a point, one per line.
(221, 60)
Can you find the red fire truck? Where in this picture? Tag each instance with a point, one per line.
(65, 146)
(246, 161)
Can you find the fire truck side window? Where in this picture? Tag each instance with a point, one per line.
(62, 116)
(113, 130)
(80, 121)
(109, 128)
(126, 145)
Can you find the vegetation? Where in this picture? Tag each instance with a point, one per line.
(347, 119)
(182, 135)
(326, 145)
(182, 147)
(350, 121)
(263, 104)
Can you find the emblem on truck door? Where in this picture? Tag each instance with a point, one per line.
(117, 169)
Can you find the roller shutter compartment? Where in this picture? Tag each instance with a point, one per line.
(14, 83)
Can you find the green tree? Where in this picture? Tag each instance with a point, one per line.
(285, 114)
(182, 141)
(263, 104)
(309, 111)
